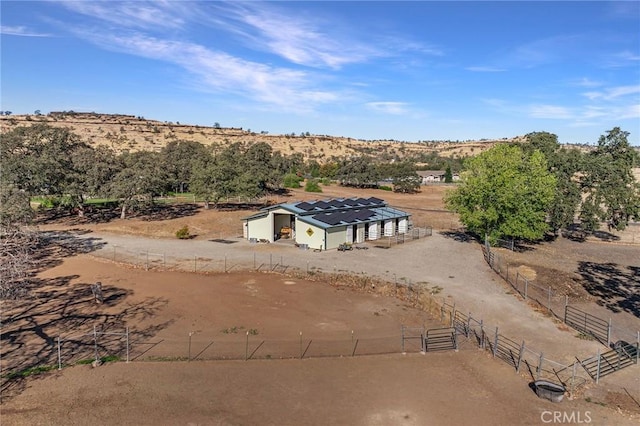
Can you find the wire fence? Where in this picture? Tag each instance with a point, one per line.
(559, 305)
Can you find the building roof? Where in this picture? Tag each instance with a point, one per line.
(337, 211)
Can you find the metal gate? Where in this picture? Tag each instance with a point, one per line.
(588, 324)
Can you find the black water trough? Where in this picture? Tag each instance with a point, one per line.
(549, 390)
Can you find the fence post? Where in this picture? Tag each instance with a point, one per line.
(246, 348)
(566, 306)
(609, 332)
(59, 355)
(95, 342)
(598, 368)
(452, 315)
(189, 351)
(307, 267)
(520, 357)
(573, 378)
(495, 343)
(540, 360)
(638, 348)
(127, 331)
(301, 345)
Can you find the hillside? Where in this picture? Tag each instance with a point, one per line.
(127, 132)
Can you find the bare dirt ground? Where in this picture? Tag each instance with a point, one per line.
(168, 306)
(466, 387)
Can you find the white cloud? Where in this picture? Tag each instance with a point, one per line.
(550, 111)
(20, 30)
(393, 108)
(216, 71)
(586, 82)
(485, 69)
(612, 93)
(138, 14)
(313, 41)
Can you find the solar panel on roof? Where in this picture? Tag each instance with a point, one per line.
(304, 206)
(351, 202)
(363, 201)
(376, 201)
(364, 214)
(321, 205)
(335, 203)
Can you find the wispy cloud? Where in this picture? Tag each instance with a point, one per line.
(313, 41)
(393, 108)
(485, 69)
(550, 111)
(21, 31)
(216, 71)
(137, 14)
(586, 82)
(612, 93)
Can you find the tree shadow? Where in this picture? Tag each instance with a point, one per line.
(615, 286)
(460, 236)
(67, 313)
(54, 246)
(54, 307)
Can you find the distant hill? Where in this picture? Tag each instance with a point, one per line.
(131, 133)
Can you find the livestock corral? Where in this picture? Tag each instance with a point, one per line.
(327, 338)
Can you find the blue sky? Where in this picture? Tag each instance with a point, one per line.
(372, 70)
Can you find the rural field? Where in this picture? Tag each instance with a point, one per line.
(319, 351)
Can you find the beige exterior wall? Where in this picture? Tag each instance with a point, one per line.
(336, 236)
(315, 240)
(261, 228)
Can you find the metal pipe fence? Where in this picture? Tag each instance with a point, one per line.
(556, 305)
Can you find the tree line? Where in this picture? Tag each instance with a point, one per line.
(43, 160)
(528, 190)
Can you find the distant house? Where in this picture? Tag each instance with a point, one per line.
(435, 176)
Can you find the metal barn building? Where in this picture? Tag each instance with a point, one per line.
(326, 224)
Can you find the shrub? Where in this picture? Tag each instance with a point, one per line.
(312, 186)
(385, 188)
(291, 180)
(183, 233)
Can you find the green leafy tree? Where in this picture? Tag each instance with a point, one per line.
(221, 176)
(292, 180)
(611, 193)
(140, 178)
(566, 165)
(448, 175)
(504, 193)
(312, 185)
(359, 172)
(405, 178)
(179, 158)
